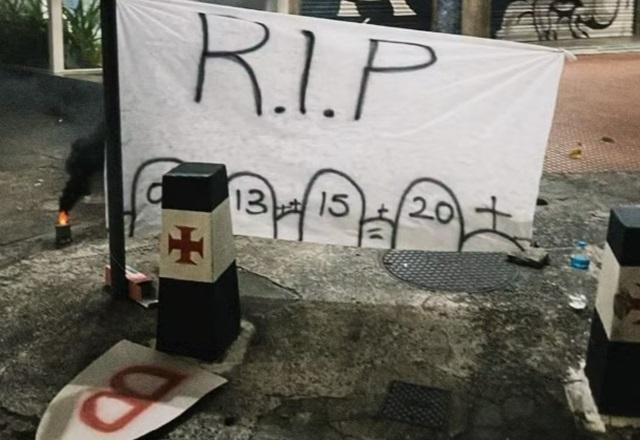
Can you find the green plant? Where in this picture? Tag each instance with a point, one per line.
(82, 34)
(23, 33)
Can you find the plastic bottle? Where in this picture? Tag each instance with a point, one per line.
(579, 259)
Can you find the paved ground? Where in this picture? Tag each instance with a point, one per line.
(597, 113)
(333, 328)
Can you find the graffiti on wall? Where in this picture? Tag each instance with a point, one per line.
(544, 20)
(412, 14)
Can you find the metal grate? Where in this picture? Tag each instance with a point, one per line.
(416, 405)
(471, 272)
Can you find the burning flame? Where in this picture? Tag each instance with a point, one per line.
(63, 218)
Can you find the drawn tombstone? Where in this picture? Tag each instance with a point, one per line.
(492, 237)
(333, 209)
(487, 240)
(428, 217)
(145, 194)
(253, 201)
(377, 232)
(288, 219)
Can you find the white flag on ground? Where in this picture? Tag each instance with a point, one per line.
(126, 393)
(336, 132)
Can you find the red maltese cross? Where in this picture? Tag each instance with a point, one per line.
(185, 245)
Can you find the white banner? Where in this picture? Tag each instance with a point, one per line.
(336, 132)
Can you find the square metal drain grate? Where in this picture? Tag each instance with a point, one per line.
(471, 272)
(416, 405)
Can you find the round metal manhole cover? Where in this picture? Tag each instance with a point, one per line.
(471, 272)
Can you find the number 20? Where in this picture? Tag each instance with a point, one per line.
(443, 217)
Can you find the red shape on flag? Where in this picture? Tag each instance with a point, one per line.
(119, 390)
(185, 245)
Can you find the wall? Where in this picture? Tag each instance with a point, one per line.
(264, 5)
(544, 20)
(411, 14)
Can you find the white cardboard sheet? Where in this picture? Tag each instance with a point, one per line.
(127, 392)
(336, 132)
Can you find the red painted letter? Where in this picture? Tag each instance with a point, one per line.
(120, 391)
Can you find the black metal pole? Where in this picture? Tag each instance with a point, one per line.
(114, 148)
(448, 16)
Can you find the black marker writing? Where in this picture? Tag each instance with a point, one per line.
(256, 205)
(338, 205)
(369, 68)
(455, 208)
(259, 201)
(304, 81)
(494, 226)
(133, 203)
(444, 212)
(233, 55)
(419, 213)
(295, 205)
(444, 219)
(150, 198)
(256, 196)
(340, 202)
(494, 212)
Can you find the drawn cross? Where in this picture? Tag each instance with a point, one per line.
(382, 210)
(281, 210)
(494, 212)
(185, 245)
(295, 204)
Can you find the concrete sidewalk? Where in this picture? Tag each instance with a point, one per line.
(333, 330)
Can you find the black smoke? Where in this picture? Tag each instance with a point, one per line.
(85, 160)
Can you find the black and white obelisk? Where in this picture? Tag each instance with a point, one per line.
(613, 357)
(199, 306)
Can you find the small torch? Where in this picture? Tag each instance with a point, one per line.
(63, 229)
